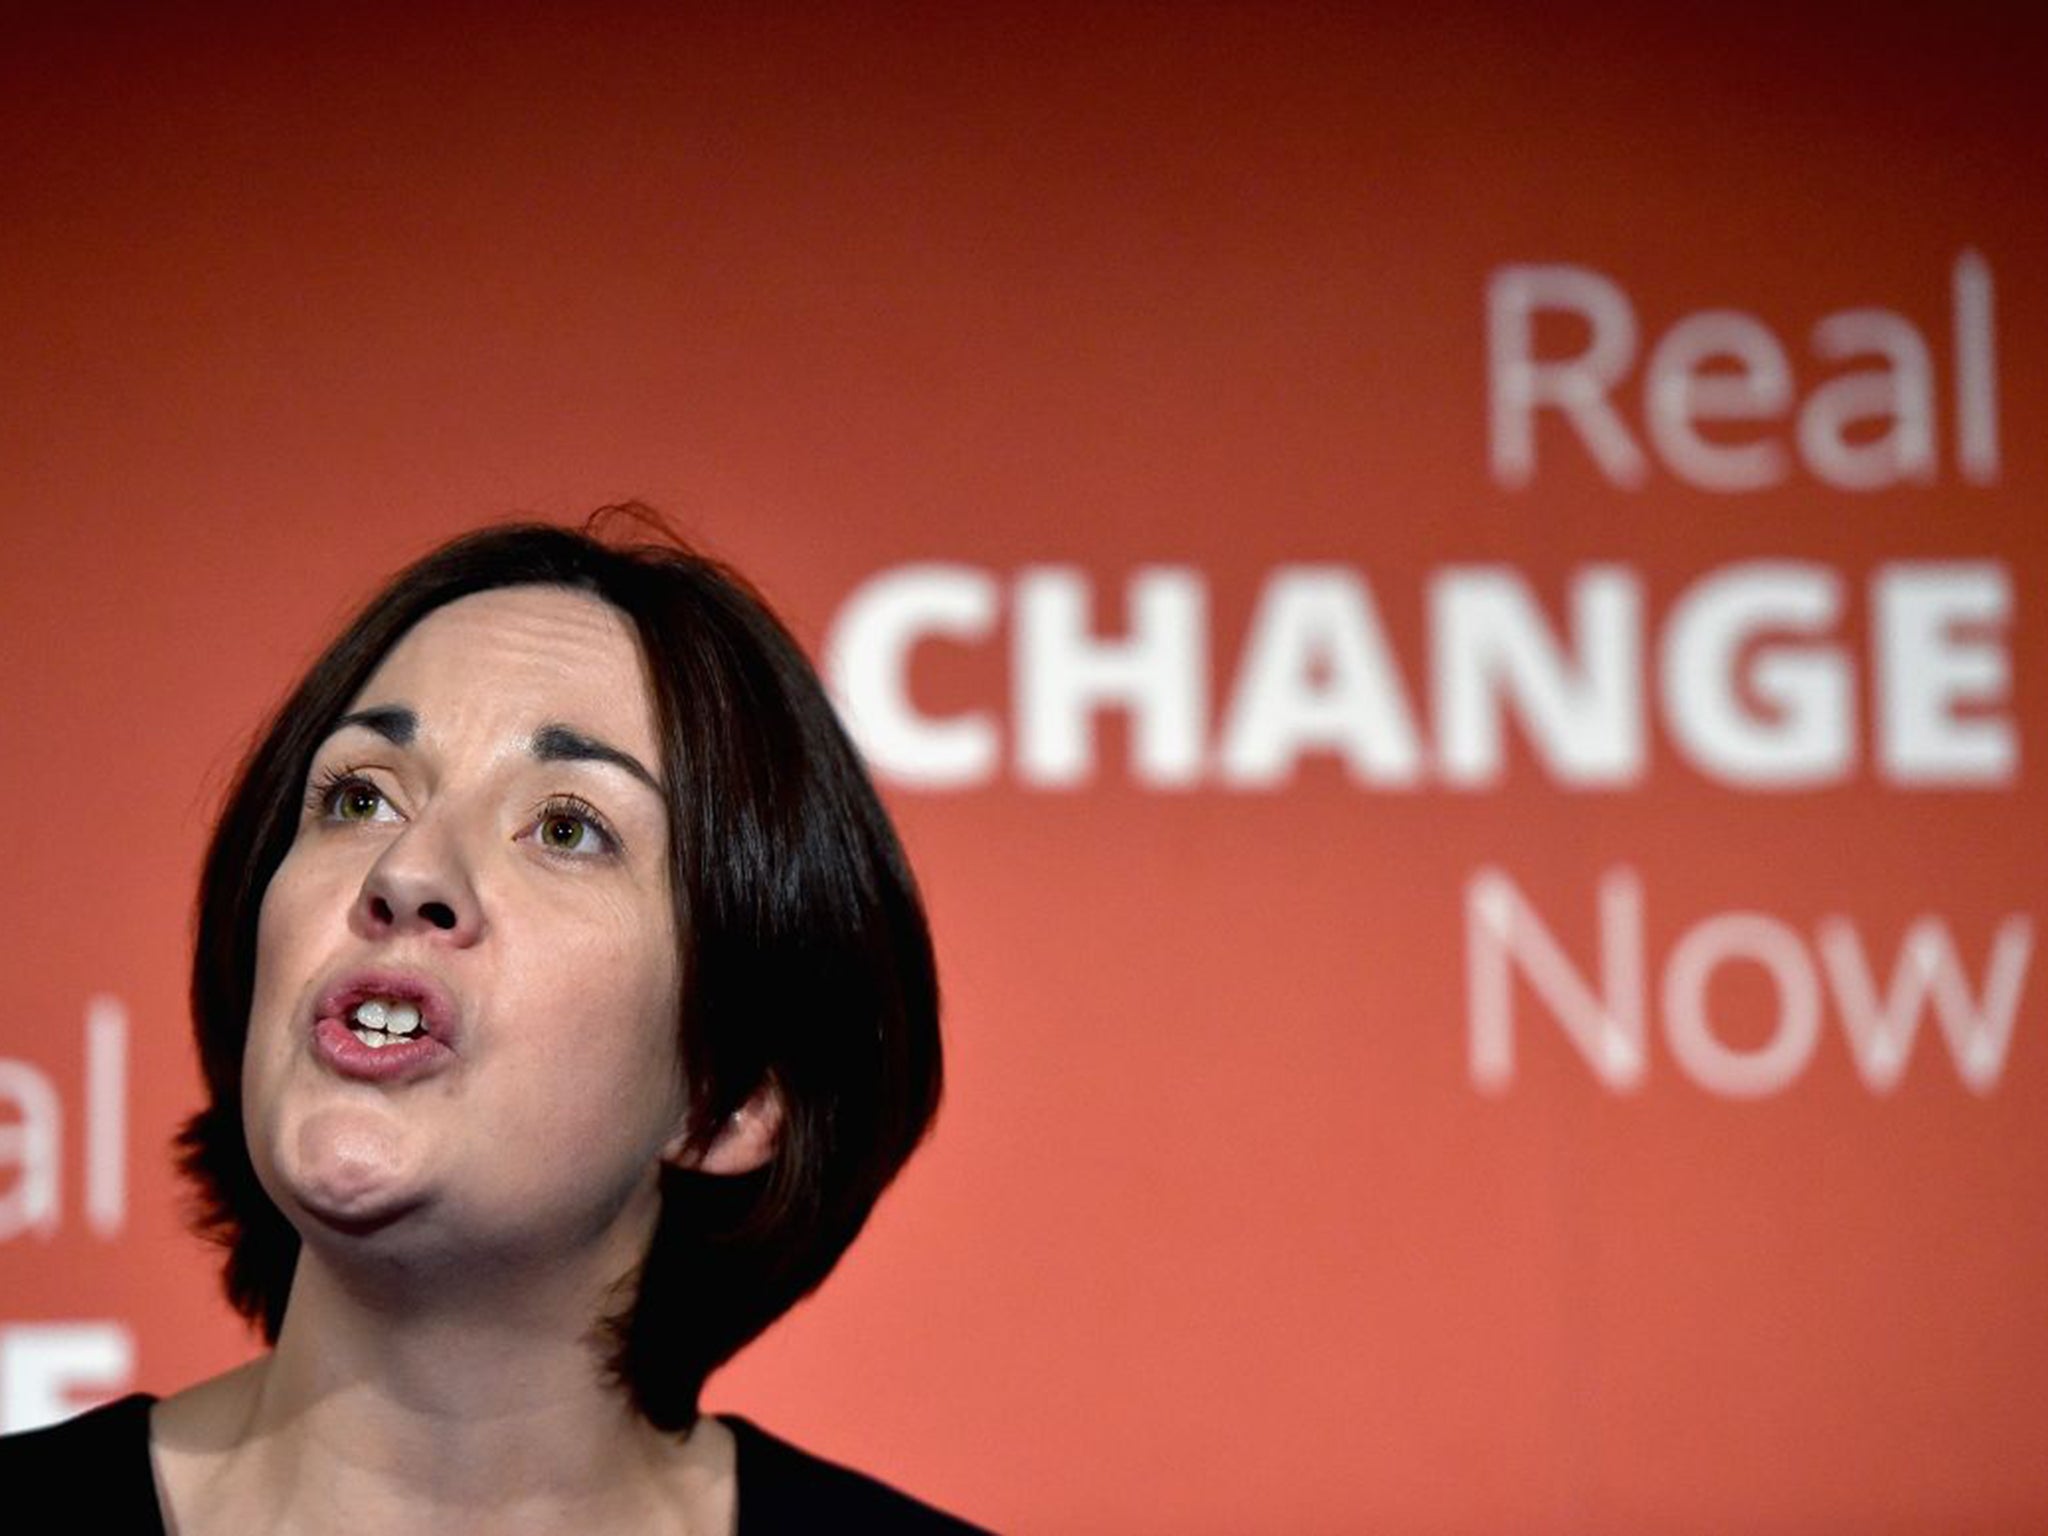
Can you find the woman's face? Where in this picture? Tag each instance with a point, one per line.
(481, 869)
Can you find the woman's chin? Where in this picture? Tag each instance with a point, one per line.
(349, 1168)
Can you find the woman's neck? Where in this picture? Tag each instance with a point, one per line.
(462, 1406)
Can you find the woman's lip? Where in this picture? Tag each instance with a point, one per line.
(438, 1016)
(336, 1045)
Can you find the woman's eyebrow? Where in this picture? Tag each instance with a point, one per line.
(394, 722)
(560, 744)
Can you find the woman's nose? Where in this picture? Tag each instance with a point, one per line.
(420, 884)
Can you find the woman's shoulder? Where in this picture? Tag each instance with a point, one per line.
(786, 1490)
(91, 1473)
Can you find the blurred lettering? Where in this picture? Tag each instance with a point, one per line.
(867, 664)
(1504, 934)
(1506, 937)
(1756, 668)
(1866, 429)
(1940, 647)
(31, 1134)
(1754, 633)
(1976, 1023)
(1759, 939)
(50, 1371)
(1318, 675)
(1066, 674)
(31, 1140)
(1718, 365)
(1577, 387)
(1582, 708)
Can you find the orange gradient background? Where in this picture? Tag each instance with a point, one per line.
(1216, 1232)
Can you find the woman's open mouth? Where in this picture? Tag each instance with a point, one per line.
(384, 1027)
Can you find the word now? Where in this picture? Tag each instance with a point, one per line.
(1861, 430)
(1608, 1023)
(1754, 680)
(31, 1146)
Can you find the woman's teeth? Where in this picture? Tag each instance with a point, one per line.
(378, 1023)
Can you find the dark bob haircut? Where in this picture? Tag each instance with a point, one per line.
(805, 958)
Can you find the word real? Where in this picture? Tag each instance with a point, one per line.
(1718, 403)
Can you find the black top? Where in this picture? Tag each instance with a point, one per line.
(92, 1473)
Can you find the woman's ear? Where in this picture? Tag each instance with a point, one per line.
(746, 1139)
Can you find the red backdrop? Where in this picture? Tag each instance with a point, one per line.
(1448, 608)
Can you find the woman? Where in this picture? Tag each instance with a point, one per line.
(565, 1003)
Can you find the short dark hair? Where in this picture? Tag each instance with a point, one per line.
(805, 957)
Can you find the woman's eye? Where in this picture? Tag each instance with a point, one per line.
(345, 797)
(357, 802)
(573, 829)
